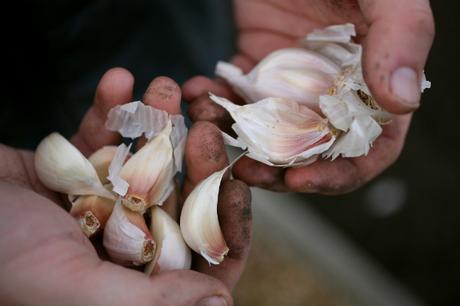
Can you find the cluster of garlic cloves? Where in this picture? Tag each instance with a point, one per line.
(323, 75)
(112, 189)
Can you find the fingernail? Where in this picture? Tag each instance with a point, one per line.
(405, 86)
(213, 301)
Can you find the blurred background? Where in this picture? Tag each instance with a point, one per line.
(393, 242)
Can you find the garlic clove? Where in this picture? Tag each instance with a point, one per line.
(149, 171)
(61, 167)
(295, 74)
(92, 213)
(127, 238)
(172, 253)
(278, 132)
(101, 160)
(199, 222)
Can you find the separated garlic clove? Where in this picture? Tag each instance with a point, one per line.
(101, 160)
(91, 212)
(199, 222)
(61, 167)
(295, 74)
(149, 172)
(127, 238)
(172, 253)
(278, 132)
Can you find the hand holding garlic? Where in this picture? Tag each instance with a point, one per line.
(387, 47)
(50, 256)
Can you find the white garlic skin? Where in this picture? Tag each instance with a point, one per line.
(61, 167)
(172, 253)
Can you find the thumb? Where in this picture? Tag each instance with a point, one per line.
(120, 286)
(395, 50)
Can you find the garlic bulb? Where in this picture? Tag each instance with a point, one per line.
(278, 132)
(101, 160)
(171, 251)
(326, 76)
(199, 222)
(91, 212)
(149, 173)
(61, 167)
(294, 74)
(127, 238)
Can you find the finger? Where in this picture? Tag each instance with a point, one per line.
(162, 93)
(325, 177)
(110, 284)
(244, 62)
(204, 153)
(260, 175)
(201, 86)
(115, 87)
(347, 174)
(204, 109)
(235, 219)
(395, 50)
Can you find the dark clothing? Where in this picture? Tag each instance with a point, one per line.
(57, 51)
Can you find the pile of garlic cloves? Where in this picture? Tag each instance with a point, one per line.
(113, 191)
(305, 102)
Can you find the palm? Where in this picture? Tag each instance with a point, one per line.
(265, 26)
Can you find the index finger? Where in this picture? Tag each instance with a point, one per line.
(205, 154)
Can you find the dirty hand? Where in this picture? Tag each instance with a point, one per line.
(396, 36)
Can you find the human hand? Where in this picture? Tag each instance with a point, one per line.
(45, 259)
(396, 36)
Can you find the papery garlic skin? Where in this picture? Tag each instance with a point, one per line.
(361, 124)
(135, 119)
(149, 173)
(61, 167)
(199, 222)
(172, 253)
(92, 213)
(278, 132)
(101, 160)
(294, 74)
(126, 237)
